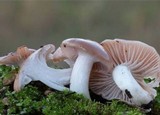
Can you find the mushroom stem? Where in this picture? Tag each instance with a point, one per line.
(80, 75)
(55, 78)
(126, 82)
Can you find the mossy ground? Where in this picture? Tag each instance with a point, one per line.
(36, 98)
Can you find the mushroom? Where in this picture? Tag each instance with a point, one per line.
(132, 61)
(35, 68)
(60, 56)
(17, 57)
(81, 54)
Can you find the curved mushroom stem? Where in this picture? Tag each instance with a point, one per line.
(80, 74)
(36, 68)
(126, 82)
(54, 78)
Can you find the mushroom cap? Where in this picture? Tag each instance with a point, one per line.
(142, 60)
(70, 49)
(17, 57)
(58, 56)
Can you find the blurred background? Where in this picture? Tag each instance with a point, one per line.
(39, 22)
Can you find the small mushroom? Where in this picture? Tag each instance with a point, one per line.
(60, 56)
(17, 57)
(81, 54)
(35, 68)
(132, 61)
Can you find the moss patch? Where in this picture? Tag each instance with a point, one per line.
(32, 100)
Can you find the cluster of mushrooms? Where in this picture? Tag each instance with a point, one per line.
(113, 69)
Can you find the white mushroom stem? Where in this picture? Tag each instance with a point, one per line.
(126, 82)
(54, 78)
(80, 74)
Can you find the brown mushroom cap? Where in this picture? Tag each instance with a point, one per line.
(58, 56)
(142, 60)
(17, 57)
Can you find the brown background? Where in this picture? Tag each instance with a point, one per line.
(38, 22)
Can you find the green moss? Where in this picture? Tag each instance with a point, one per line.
(25, 101)
(69, 103)
(7, 74)
(31, 100)
(148, 80)
(156, 103)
